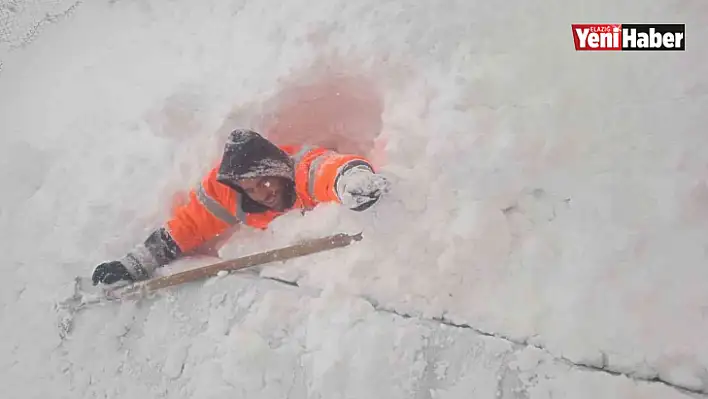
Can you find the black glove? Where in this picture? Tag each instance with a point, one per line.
(110, 272)
(359, 188)
(364, 199)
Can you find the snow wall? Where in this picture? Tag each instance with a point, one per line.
(546, 235)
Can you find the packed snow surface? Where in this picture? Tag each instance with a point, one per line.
(545, 236)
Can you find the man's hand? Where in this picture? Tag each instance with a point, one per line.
(110, 272)
(359, 188)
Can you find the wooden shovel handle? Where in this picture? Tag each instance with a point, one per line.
(293, 251)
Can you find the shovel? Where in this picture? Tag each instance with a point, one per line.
(81, 300)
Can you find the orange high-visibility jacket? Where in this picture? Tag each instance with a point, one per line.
(218, 203)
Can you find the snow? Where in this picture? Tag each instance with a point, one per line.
(550, 203)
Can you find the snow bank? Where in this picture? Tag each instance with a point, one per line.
(540, 195)
(249, 338)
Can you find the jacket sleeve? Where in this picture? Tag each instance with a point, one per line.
(324, 168)
(206, 214)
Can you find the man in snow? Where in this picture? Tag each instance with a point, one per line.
(255, 182)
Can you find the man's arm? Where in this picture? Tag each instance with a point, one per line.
(206, 214)
(346, 179)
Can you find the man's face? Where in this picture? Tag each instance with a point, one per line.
(268, 191)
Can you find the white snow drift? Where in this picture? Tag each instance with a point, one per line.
(552, 199)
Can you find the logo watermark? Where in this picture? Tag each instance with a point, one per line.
(629, 37)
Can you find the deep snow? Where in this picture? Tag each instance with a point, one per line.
(546, 197)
